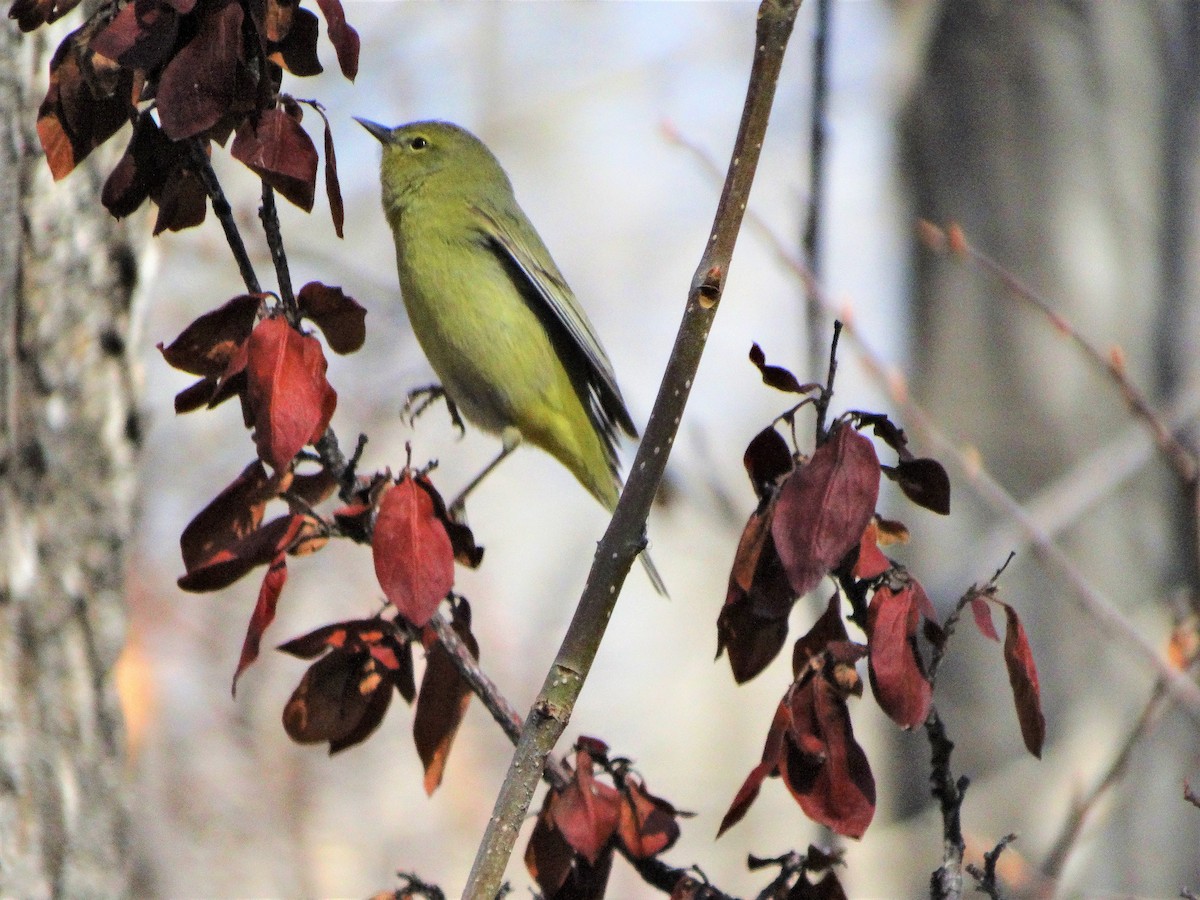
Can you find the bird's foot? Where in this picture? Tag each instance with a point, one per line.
(420, 399)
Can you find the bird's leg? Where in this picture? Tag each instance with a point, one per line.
(510, 440)
(420, 399)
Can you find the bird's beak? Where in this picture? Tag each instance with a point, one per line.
(381, 133)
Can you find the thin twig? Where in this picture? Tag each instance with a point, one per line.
(985, 878)
(816, 175)
(826, 396)
(224, 213)
(624, 537)
(946, 882)
(270, 219)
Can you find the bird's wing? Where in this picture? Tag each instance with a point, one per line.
(543, 282)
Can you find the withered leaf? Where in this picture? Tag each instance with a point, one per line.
(234, 560)
(278, 149)
(647, 824)
(442, 703)
(200, 84)
(924, 482)
(341, 699)
(771, 755)
(586, 812)
(296, 51)
(73, 120)
(206, 346)
(767, 459)
(340, 317)
(777, 376)
(871, 562)
(333, 187)
(982, 613)
(140, 36)
(29, 14)
(232, 515)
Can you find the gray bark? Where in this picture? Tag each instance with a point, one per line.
(68, 440)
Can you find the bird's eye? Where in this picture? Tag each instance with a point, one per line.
(418, 143)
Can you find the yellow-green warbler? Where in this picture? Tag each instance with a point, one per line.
(501, 328)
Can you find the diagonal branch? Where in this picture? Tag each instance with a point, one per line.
(624, 537)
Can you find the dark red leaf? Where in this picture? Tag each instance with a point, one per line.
(548, 856)
(74, 119)
(767, 459)
(441, 705)
(1023, 676)
(207, 345)
(586, 812)
(899, 683)
(646, 825)
(341, 699)
(297, 50)
(888, 432)
(343, 37)
(835, 788)
(30, 14)
(414, 561)
(140, 36)
(983, 618)
(287, 390)
(263, 615)
(827, 887)
(824, 507)
(313, 488)
(778, 377)
(751, 640)
(149, 160)
(182, 202)
(333, 187)
(201, 82)
(340, 317)
(230, 563)
(924, 482)
(828, 629)
(871, 562)
(232, 515)
(365, 637)
(278, 149)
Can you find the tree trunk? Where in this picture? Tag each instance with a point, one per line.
(69, 434)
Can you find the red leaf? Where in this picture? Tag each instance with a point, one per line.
(287, 391)
(899, 684)
(646, 824)
(836, 788)
(140, 36)
(983, 618)
(341, 319)
(441, 705)
(232, 515)
(150, 159)
(208, 344)
(278, 149)
(343, 37)
(229, 564)
(777, 376)
(824, 507)
(767, 459)
(182, 202)
(871, 561)
(414, 561)
(263, 615)
(1023, 676)
(201, 82)
(586, 812)
(73, 119)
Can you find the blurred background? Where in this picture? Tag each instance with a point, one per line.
(1061, 135)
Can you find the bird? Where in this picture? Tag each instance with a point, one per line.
(504, 333)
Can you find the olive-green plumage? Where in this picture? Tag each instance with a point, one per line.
(501, 328)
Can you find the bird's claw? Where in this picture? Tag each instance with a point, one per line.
(420, 399)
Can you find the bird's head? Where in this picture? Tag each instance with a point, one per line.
(433, 158)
